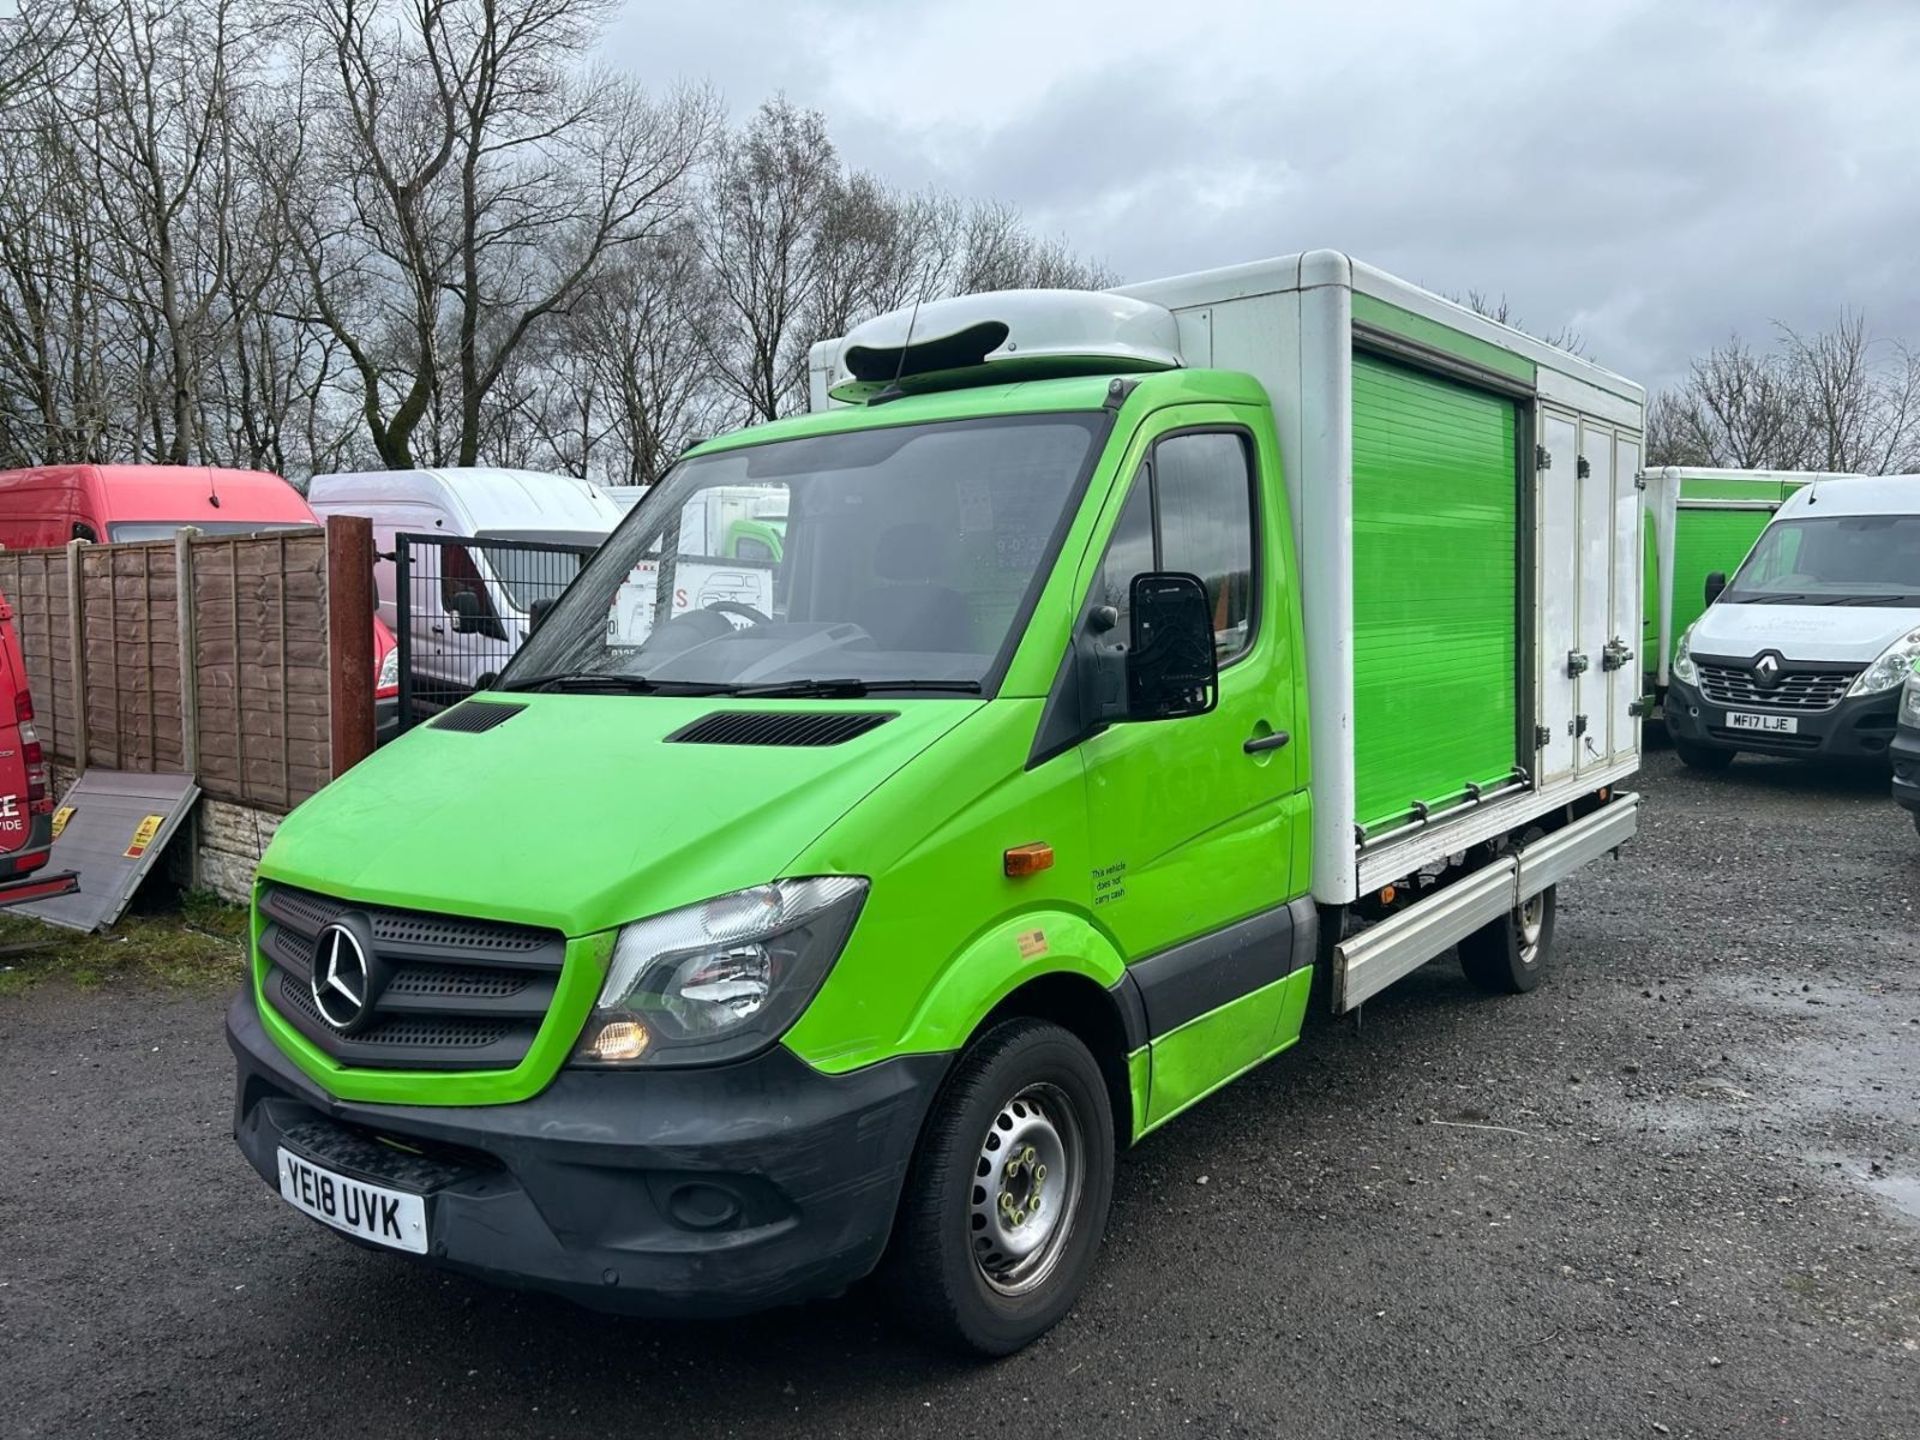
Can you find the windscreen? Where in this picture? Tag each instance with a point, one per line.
(1833, 560)
(124, 532)
(895, 555)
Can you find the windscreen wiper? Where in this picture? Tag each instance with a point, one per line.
(584, 681)
(852, 688)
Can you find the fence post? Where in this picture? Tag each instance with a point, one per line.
(185, 625)
(77, 643)
(187, 634)
(350, 639)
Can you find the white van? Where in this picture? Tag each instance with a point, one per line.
(492, 588)
(1804, 651)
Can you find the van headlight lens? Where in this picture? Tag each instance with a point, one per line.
(389, 676)
(1682, 668)
(1910, 701)
(719, 980)
(1894, 665)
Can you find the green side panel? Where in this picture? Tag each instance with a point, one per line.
(1435, 598)
(1140, 1085)
(1435, 336)
(1188, 1062)
(1705, 541)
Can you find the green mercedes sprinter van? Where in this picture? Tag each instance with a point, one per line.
(1133, 671)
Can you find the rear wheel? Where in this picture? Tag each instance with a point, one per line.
(1007, 1197)
(1509, 956)
(1701, 757)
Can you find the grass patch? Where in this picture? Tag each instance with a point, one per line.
(188, 939)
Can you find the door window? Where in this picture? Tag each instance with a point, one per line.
(1191, 509)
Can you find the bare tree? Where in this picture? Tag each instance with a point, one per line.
(768, 200)
(1858, 401)
(155, 121)
(470, 174)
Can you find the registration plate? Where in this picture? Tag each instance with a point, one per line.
(1766, 724)
(373, 1212)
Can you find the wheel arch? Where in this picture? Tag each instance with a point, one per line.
(1111, 1023)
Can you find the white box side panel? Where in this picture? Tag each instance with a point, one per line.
(1262, 337)
(1589, 400)
(1628, 593)
(1324, 483)
(1594, 582)
(1557, 489)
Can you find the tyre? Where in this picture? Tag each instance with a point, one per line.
(1007, 1196)
(1916, 819)
(1701, 757)
(1509, 956)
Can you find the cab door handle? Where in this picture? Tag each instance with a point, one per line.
(1258, 744)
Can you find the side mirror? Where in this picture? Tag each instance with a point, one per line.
(1171, 668)
(472, 616)
(1716, 582)
(537, 612)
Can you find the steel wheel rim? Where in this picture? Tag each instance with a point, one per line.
(1533, 924)
(1025, 1189)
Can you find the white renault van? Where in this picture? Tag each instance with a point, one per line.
(1805, 650)
(493, 586)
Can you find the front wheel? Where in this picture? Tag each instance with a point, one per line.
(1007, 1197)
(1508, 956)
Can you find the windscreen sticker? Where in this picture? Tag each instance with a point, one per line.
(1032, 943)
(60, 818)
(143, 834)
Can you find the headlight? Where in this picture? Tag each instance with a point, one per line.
(1894, 665)
(1682, 667)
(389, 677)
(721, 979)
(1910, 701)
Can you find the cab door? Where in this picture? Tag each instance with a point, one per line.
(1193, 821)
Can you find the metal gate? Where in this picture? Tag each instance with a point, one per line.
(463, 605)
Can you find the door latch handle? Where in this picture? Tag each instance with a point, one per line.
(1259, 744)
(1616, 655)
(1577, 663)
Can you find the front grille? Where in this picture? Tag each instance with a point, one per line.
(1802, 691)
(449, 992)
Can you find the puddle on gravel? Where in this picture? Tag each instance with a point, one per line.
(1899, 1192)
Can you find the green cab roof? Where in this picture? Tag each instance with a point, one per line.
(1153, 390)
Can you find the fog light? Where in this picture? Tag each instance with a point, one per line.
(621, 1040)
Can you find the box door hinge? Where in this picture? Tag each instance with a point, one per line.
(1583, 469)
(1542, 737)
(1542, 458)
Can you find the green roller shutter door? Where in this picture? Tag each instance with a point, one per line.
(1435, 595)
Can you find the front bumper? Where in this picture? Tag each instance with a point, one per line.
(386, 720)
(1859, 728)
(1905, 750)
(671, 1192)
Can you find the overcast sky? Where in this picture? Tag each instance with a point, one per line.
(1655, 173)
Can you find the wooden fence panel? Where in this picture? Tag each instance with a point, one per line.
(260, 630)
(262, 682)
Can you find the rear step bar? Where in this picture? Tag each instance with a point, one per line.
(38, 887)
(1367, 963)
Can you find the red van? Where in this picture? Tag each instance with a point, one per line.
(26, 791)
(48, 505)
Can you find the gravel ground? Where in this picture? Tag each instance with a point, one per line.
(1675, 1191)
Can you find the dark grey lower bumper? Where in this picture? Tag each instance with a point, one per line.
(693, 1192)
(1857, 729)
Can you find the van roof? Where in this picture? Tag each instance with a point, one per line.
(487, 497)
(177, 492)
(1855, 495)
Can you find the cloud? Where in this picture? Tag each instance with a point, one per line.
(1654, 175)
